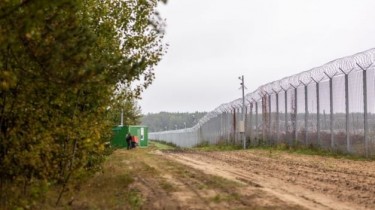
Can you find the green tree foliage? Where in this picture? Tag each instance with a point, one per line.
(130, 111)
(169, 121)
(65, 67)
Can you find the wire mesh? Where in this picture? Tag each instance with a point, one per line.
(331, 106)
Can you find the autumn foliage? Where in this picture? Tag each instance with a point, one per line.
(65, 67)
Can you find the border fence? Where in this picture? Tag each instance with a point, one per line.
(330, 107)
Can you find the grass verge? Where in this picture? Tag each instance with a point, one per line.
(311, 150)
(221, 146)
(162, 145)
(295, 149)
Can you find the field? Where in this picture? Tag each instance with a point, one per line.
(161, 177)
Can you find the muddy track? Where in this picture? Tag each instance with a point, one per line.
(310, 181)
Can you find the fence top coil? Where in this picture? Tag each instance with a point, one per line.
(357, 62)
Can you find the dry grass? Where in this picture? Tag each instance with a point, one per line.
(144, 179)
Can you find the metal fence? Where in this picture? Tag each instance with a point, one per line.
(331, 106)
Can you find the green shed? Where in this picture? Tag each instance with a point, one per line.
(120, 132)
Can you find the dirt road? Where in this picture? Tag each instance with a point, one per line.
(311, 182)
(252, 179)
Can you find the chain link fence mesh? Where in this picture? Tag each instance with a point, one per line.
(331, 107)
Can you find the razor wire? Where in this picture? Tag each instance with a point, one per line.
(331, 106)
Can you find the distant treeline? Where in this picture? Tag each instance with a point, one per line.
(171, 120)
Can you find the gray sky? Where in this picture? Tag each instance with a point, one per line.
(212, 42)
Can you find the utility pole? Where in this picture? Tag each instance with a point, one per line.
(122, 117)
(242, 122)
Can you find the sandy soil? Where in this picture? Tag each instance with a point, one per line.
(289, 180)
(251, 179)
(185, 184)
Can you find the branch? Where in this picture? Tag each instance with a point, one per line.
(23, 3)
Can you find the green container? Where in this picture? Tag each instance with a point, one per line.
(120, 132)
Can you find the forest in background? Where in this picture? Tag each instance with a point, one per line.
(171, 120)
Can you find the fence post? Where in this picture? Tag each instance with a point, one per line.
(318, 113)
(221, 125)
(239, 112)
(228, 127)
(365, 112)
(348, 144)
(277, 117)
(318, 110)
(295, 113)
(365, 116)
(234, 125)
(270, 140)
(295, 136)
(264, 111)
(348, 149)
(306, 113)
(250, 121)
(246, 122)
(331, 108)
(198, 133)
(306, 110)
(256, 120)
(286, 111)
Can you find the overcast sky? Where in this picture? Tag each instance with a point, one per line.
(212, 42)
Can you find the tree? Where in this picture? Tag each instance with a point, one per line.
(63, 66)
(128, 108)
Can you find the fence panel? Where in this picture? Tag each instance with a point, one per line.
(356, 110)
(331, 106)
(371, 109)
(339, 113)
